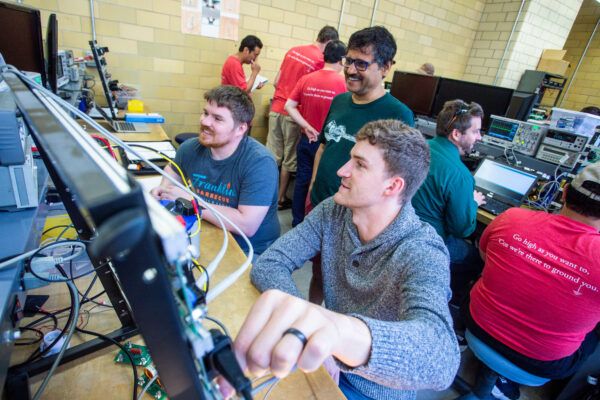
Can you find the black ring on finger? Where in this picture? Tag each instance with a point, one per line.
(296, 333)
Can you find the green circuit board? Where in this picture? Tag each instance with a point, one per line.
(141, 356)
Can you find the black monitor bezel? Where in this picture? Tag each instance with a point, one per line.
(95, 204)
(36, 28)
(52, 52)
(475, 88)
(407, 99)
(100, 69)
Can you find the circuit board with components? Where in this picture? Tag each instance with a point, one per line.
(140, 355)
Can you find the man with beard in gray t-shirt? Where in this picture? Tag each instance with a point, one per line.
(229, 169)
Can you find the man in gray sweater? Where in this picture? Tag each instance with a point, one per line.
(386, 281)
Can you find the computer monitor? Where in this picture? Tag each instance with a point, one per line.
(98, 52)
(510, 183)
(21, 38)
(131, 239)
(520, 106)
(52, 52)
(493, 99)
(417, 91)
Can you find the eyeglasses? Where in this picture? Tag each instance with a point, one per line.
(461, 111)
(360, 65)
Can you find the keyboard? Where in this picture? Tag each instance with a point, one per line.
(494, 206)
(124, 126)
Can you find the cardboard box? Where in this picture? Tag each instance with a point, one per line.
(551, 54)
(552, 62)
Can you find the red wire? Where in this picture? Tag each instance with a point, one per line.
(106, 143)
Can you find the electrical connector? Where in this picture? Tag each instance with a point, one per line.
(222, 359)
(42, 265)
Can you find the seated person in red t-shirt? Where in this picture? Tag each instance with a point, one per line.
(538, 300)
(233, 72)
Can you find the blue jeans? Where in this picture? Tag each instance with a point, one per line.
(305, 158)
(350, 391)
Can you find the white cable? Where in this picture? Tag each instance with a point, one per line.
(60, 354)
(212, 266)
(7, 263)
(145, 389)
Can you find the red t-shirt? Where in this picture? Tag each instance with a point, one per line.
(314, 93)
(233, 73)
(539, 293)
(298, 61)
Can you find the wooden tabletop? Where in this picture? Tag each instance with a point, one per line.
(98, 377)
(485, 217)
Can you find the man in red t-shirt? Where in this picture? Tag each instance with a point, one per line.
(284, 133)
(538, 299)
(233, 72)
(308, 106)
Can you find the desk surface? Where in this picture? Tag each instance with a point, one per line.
(98, 377)
(485, 217)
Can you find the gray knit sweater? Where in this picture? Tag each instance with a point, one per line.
(398, 284)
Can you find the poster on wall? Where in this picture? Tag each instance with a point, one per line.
(212, 18)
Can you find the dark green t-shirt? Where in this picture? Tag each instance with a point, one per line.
(344, 120)
(445, 199)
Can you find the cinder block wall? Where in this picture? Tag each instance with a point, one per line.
(173, 70)
(585, 89)
(463, 39)
(543, 24)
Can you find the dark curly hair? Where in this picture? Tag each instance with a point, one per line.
(379, 38)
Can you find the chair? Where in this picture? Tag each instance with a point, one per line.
(182, 137)
(492, 365)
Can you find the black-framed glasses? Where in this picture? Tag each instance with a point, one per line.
(461, 111)
(360, 65)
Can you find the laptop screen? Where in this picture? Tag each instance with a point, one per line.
(508, 182)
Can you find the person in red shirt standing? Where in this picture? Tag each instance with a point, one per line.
(308, 106)
(284, 133)
(538, 299)
(233, 72)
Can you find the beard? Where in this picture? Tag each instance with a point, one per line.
(209, 139)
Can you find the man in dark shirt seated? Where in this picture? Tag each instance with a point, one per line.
(447, 200)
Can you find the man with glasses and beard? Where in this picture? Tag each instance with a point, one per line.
(229, 169)
(447, 200)
(369, 59)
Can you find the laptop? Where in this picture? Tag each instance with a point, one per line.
(123, 126)
(503, 185)
(118, 126)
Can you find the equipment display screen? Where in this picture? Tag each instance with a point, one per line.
(501, 129)
(504, 180)
(562, 136)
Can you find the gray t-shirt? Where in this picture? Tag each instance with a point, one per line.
(247, 177)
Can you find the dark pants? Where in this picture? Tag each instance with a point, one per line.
(465, 267)
(556, 369)
(305, 158)
(350, 391)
